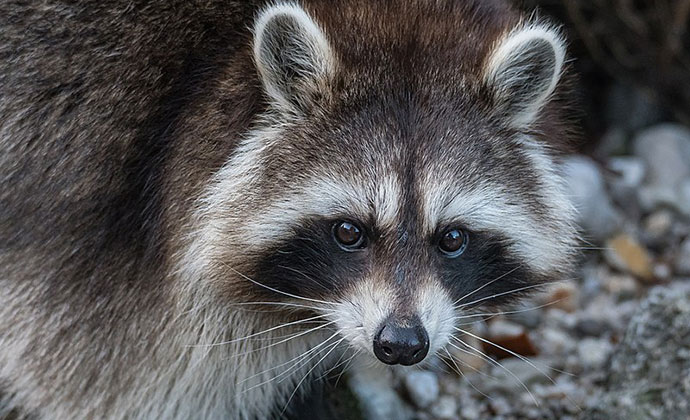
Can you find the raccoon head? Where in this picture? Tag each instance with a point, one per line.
(387, 187)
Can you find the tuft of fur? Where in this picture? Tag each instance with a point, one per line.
(170, 172)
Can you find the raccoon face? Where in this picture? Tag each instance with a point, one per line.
(389, 202)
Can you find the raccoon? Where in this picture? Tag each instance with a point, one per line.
(207, 205)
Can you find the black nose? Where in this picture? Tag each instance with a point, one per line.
(405, 345)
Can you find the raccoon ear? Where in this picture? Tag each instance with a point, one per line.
(292, 56)
(523, 72)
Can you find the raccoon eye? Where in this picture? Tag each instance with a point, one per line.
(348, 235)
(453, 242)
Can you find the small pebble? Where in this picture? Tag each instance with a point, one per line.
(422, 387)
(681, 262)
(470, 412)
(626, 254)
(445, 408)
(591, 327)
(563, 296)
(593, 352)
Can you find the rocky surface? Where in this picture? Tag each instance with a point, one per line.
(612, 343)
(649, 374)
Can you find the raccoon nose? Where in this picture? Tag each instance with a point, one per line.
(405, 345)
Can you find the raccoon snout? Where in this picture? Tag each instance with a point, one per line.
(405, 345)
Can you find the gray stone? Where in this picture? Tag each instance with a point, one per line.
(591, 327)
(376, 395)
(513, 374)
(681, 261)
(646, 376)
(470, 411)
(445, 408)
(422, 387)
(613, 142)
(630, 169)
(665, 148)
(662, 272)
(527, 314)
(657, 229)
(597, 215)
(593, 353)
(555, 341)
(500, 406)
(629, 172)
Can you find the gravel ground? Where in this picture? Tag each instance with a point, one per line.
(588, 347)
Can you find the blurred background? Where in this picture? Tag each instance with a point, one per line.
(612, 342)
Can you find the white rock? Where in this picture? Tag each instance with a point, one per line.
(665, 148)
(422, 386)
(659, 223)
(631, 171)
(597, 215)
(445, 408)
(470, 411)
(629, 174)
(512, 373)
(593, 353)
(555, 341)
(500, 405)
(500, 328)
(373, 387)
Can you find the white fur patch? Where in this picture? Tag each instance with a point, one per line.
(435, 309)
(363, 311)
(387, 201)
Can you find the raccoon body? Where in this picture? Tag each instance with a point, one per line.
(206, 205)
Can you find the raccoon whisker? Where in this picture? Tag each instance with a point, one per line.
(592, 248)
(487, 284)
(284, 340)
(524, 359)
(278, 337)
(285, 374)
(479, 371)
(519, 289)
(297, 362)
(339, 363)
(452, 359)
(519, 356)
(305, 275)
(298, 358)
(307, 374)
(497, 363)
(347, 366)
(292, 305)
(335, 366)
(302, 363)
(235, 340)
(461, 373)
(278, 291)
(494, 314)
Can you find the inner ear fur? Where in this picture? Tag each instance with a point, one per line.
(523, 71)
(292, 55)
